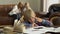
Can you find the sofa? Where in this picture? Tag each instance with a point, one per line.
(52, 9)
(5, 19)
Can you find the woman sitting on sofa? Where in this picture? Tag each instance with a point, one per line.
(30, 20)
(16, 11)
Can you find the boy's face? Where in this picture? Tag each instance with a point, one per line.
(32, 20)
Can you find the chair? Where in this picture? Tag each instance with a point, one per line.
(56, 14)
(55, 20)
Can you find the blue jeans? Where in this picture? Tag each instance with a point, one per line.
(16, 16)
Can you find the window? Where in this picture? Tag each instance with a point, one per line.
(47, 3)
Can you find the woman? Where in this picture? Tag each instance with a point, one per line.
(16, 11)
(30, 20)
(27, 6)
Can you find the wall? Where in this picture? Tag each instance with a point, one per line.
(10, 1)
(35, 4)
(47, 4)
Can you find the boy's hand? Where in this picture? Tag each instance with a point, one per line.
(32, 21)
(38, 19)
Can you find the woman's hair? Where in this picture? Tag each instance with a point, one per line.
(27, 4)
(20, 4)
(28, 14)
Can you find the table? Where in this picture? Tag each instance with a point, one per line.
(42, 30)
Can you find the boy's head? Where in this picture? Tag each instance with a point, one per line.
(29, 15)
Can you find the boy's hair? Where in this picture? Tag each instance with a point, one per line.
(28, 14)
